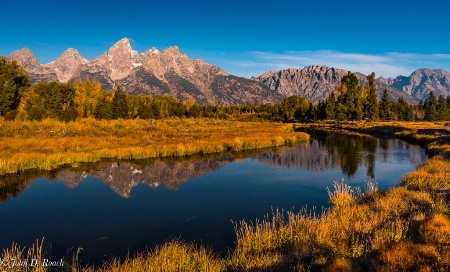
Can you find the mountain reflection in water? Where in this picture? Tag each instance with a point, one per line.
(325, 151)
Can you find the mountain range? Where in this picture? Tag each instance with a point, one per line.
(172, 73)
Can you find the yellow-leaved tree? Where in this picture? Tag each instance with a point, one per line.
(87, 94)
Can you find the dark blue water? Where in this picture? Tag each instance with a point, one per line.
(125, 207)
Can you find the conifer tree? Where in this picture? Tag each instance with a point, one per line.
(103, 108)
(371, 109)
(311, 112)
(350, 81)
(442, 109)
(404, 111)
(330, 109)
(359, 104)
(385, 106)
(119, 104)
(341, 108)
(430, 108)
(156, 110)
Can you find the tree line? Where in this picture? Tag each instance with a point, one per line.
(350, 101)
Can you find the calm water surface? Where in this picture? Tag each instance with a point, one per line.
(124, 207)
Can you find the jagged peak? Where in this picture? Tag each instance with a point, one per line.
(23, 52)
(172, 50)
(430, 72)
(152, 51)
(25, 57)
(122, 44)
(123, 41)
(69, 54)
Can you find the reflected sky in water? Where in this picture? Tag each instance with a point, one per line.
(120, 207)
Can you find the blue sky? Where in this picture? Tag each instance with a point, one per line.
(243, 37)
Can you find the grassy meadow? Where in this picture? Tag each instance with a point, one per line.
(48, 144)
(406, 228)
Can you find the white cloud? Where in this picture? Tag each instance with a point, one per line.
(390, 64)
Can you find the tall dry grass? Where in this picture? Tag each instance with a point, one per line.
(49, 144)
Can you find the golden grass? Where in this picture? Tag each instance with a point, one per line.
(33, 259)
(48, 144)
(408, 256)
(434, 174)
(173, 256)
(437, 230)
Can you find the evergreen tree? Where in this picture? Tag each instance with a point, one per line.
(156, 110)
(144, 108)
(350, 81)
(442, 109)
(119, 104)
(448, 103)
(321, 111)
(103, 108)
(341, 112)
(341, 108)
(371, 110)
(311, 112)
(193, 112)
(385, 106)
(13, 82)
(404, 111)
(430, 108)
(359, 104)
(330, 107)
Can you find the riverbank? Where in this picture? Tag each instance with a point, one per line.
(49, 144)
(406, 228)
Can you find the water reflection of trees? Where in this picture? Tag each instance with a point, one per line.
(325, 151)
(328, 150)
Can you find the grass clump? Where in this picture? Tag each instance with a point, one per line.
(433, 175)
(342, 196)
(172, 256)
(437, 230)
(408, 256)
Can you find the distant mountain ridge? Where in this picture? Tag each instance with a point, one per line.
(152, 72)
(423, 81)
(316, 82)
(172, 73)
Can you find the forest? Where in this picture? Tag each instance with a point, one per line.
(350, 101)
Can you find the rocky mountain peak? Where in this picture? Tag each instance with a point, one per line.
(147, 55)
(34, 69)
(118, 61)
(72, 53)
(423, 81)
(26, 59)
(173, 51)
(67, 64)
(312, 82)
(122, 43)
